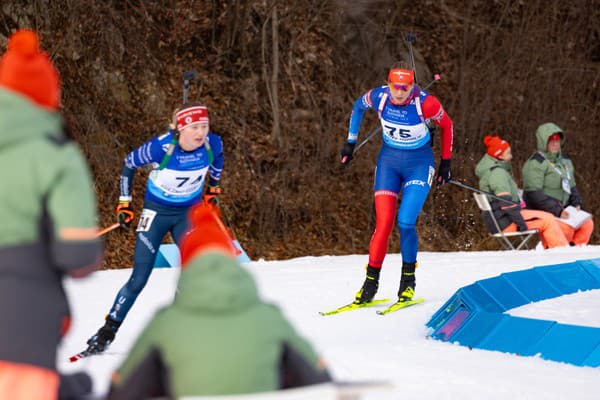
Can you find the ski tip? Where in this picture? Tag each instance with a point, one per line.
(78, 356)
(400, 305)
(354, 306)
(332, 312)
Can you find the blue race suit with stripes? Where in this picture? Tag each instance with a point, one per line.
(405, 164)
(170, 192)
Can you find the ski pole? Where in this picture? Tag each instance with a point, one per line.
(436, 78)
(218, 214)
(474, 189)
(187, 77)
(108, 229)
(361, 144)
(411, 39)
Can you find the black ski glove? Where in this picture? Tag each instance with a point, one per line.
(212, 194)
(347, 152)
(444, 172)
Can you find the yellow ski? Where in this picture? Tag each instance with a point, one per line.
(400, 305)
(354, 306)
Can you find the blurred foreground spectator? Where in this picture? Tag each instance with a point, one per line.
(218, 337)
(48, 229)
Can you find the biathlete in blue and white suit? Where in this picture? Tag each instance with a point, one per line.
(405, 165)
(183, 160)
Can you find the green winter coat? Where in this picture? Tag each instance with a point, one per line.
(216, 338)
(495, 176)
(46, 192)
(544, 172)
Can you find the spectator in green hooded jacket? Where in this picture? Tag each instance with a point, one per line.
(48, 228)
(495, 176)
(549, 182)
(218, 337)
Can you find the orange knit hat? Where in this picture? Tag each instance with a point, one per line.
(495, 145)
(400, 75)
(207, 231)
(25, 69)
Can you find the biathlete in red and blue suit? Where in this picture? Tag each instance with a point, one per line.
(405, 165)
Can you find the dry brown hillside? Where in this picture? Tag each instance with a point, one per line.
(280, 78)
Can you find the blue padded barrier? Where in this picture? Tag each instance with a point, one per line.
(442, 315)
(568, 278)
(593, 359)
(532, 285)
(441, 323)
(477, 295)
(503, 337)
(568, 343)
(474, 316)
(242, 256)
(504, 292)
(453, 323)
(452, 315)
(591, 267)
(168, 255)
(474, 330)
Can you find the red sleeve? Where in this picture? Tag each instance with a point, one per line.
(433, 110)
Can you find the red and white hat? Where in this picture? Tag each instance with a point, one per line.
(495, 145)
(190, 116)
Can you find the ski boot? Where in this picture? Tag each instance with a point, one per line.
(369, 288)
(103, 338)
(407, 282)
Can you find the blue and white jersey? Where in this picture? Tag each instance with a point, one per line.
(403, 126)
(181, 181)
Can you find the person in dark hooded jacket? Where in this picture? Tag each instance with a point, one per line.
(495, 176)
(549, 182)
(218, 337)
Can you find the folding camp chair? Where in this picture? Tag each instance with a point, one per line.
(511, 240)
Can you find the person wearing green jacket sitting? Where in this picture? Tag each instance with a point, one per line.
(495, 176)
(549, 182)
(218, 337)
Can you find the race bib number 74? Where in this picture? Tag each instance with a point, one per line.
(146, 220)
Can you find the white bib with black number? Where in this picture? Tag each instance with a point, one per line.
(178, 183)
(146, 220)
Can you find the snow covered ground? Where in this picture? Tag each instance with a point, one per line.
(362, 345)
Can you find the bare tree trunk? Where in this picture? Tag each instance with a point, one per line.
(272, 83)
(276, 132)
